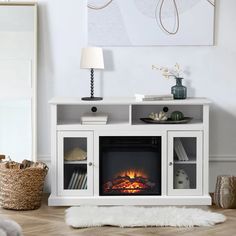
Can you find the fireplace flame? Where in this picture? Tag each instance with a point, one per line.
(130, 182)
(132, 174)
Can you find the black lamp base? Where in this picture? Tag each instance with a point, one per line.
(92, 98)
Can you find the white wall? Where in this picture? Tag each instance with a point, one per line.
(62, 33)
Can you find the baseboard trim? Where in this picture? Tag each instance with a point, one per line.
(225, 158)
(213, 158)
(126, 200)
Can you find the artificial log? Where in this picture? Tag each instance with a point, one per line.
(125, 184)
(24, 165)
(2, 157)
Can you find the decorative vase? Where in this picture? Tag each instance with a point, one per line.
(179, 91)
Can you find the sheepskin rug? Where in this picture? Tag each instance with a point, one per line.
(131, 216)
(9, 228)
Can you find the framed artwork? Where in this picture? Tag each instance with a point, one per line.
(150, 22)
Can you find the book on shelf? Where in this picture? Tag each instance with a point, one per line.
(79, 186)
(89, 117)
(179, 150)
(74, 181)
(84, 183)
(143, 97)
(94, 119)
(78, 180)
(71, 180)
(94, 122)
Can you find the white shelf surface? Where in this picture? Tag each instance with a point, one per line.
(76, 125)
(75, 162)
(185, 162)
(126, 101)
(79, 126)
(126, 126)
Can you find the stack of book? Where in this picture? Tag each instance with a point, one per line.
(142, 97)
(94, 119)
(78, 180)
(179, 150)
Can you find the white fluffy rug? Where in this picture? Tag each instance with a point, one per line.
(126, 216)
(9, 228)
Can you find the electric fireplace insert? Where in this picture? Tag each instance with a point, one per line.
(130, 165)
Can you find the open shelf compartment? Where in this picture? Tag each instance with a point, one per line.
(71, 114)
(143, 111)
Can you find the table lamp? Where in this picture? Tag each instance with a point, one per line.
(92, 58)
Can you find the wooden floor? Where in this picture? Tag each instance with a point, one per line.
(50, 221)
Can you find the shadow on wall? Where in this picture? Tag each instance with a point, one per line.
(46, 80)
(190, 90)
(44, 44)
(222, 143)
(109, 66)
(222, 132)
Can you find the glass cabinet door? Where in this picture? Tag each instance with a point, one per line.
(75, 172)
(185, 163)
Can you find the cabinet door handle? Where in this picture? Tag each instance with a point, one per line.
(170, 163)
(90, 163)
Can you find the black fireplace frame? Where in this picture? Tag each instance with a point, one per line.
(153, 143)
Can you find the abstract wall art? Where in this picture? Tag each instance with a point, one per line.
(150, 22)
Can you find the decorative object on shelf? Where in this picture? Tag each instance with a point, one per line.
(92, 58)
(179, 91)
(142, 97)
(21, 184)
(76, 154)
(94, 119)
(168, 121)
(177, 115)
(181, 180)
(179, 150)
(158, 116)
(225, 192)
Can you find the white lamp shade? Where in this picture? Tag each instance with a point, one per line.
(92, 58)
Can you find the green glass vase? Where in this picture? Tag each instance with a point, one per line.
(179, 91)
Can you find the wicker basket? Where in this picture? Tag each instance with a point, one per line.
(21, 189)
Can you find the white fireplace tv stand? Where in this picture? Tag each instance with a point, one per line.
(127, 161)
